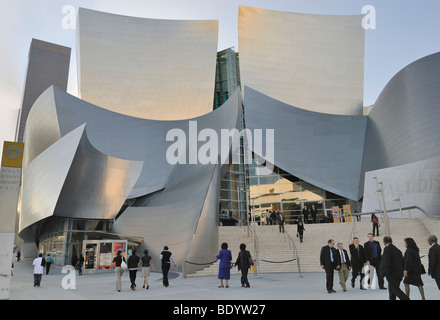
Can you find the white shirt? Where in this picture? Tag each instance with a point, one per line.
(38, 268)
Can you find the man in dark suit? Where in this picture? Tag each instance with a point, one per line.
(305, 213)
(357, 261)
(314, 213)
(434, 260)
(391, 267)
(373, 256)
(329, 262)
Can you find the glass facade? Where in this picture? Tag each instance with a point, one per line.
(63, 238)
(227, 77)
(278, 190)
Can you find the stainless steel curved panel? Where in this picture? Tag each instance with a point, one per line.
(95, 185)
(313, 62)
(147, 68)
(72, 179)
(403, 125)
(42, 129)
(322, 149)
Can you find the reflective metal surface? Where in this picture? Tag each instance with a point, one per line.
(401, 145)
(322, 149)
(313, 62)
(147, 68)
(104, 158)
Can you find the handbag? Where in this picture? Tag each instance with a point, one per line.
(251, 261)
(123, 265)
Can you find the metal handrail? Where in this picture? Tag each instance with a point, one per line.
(256, 244)
(295, 253)
(355, 215)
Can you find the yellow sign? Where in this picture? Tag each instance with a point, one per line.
(347, 212)
(335, 211)
(12, 154)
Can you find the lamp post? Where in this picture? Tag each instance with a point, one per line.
(384, 209)
(401, 216)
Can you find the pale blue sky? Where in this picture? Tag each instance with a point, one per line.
(406, 30)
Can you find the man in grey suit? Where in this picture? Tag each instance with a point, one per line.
(392, 267)
(434, 260)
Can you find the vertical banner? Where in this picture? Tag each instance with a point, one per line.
(10, 175)
(347, 212)
(335, 212)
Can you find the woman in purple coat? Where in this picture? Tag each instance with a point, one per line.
(224, 269)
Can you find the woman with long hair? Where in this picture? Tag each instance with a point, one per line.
(412, 267)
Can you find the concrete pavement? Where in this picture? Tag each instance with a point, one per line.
(275, 286)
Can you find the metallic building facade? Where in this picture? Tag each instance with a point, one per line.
(152, 169)
(313, 62)
(147, 68)
(48, 65)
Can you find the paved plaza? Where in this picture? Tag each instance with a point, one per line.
(275, 286)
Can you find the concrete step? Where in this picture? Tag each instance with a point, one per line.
(276, 246)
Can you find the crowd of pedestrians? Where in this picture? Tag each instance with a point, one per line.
(370, 260)
(134, 262)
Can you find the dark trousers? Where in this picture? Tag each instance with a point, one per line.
(47, 267)
(132, 274)
(356, 271)
(376, 264)
(165, 270)
(244, 279)
(394, 289)
(37, 279)
(329, 274)
(281, 226)
(376, 227)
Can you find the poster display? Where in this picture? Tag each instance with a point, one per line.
(347, 213)
(105, 255)
(335, 212)
(90, 256)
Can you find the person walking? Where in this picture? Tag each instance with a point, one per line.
(38, 270)
(224, 268)
(434, 259)
(300, 230)
(244, 262)
(273, 217)
(305, 212)
(118, 269)
(79, 264)
(313, 213)
(147, 264)
(329, 262)
(18, 255)
(166, 258)
(133, 265)
(375, 222)
(373, 257)
(357, 262)
(48, 263)
(391, 266)
(345, 266)
(412, 267)
(281, 220)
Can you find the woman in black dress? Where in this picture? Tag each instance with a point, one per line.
(244, 262)
(412, 267)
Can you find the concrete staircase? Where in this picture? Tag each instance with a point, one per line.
(276, 247)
